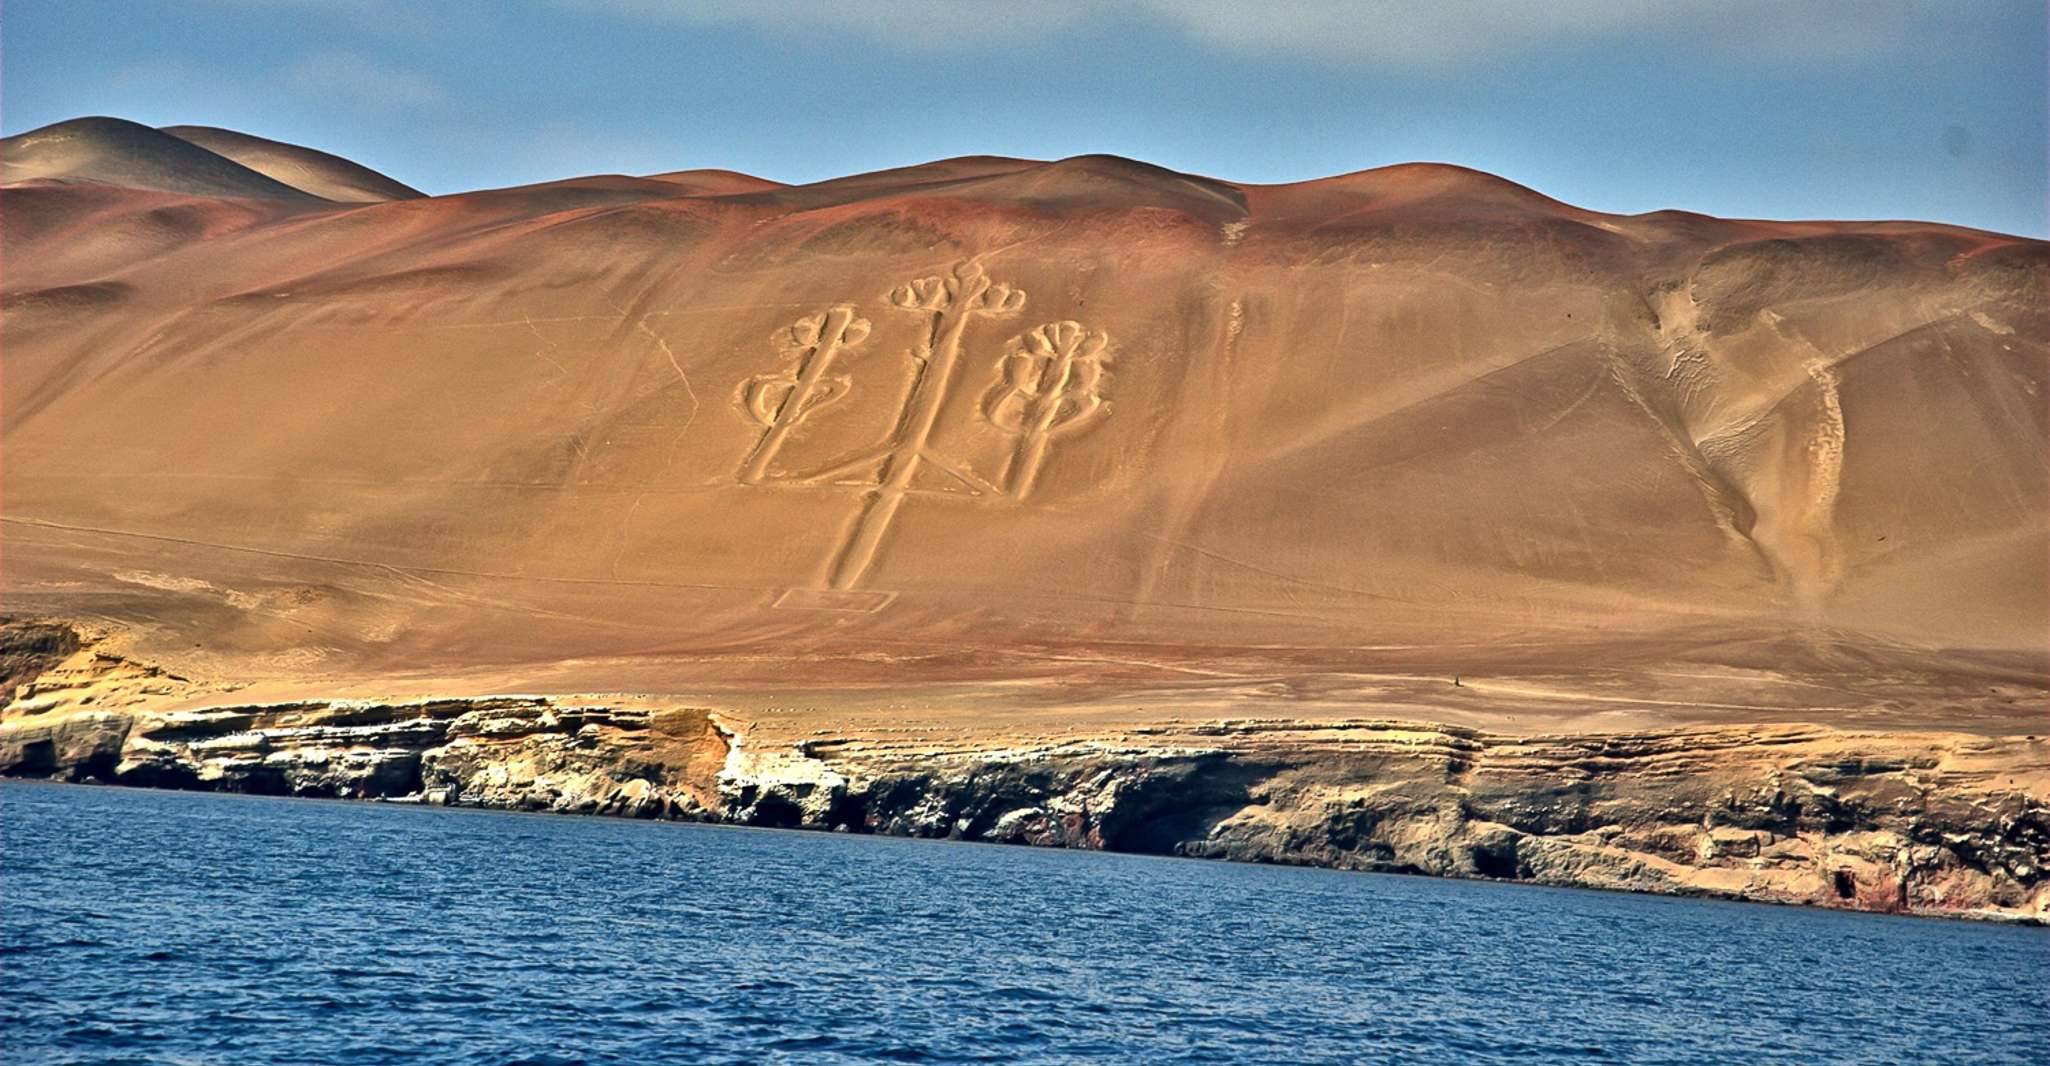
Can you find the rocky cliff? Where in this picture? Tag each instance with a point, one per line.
(1923, 823)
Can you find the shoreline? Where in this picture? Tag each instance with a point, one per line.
(1929, 822)
(1991, 918)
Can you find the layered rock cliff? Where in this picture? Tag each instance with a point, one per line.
(1924, 822)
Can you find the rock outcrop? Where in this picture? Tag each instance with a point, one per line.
(1924, 823)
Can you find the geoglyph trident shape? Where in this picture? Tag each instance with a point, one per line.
(1048, 382)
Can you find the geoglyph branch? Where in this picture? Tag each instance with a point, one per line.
(1050, 383)
(780, 401)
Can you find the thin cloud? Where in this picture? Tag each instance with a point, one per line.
(350, 77)
(924, 25)
(383, 17)
(335, 80)
(1392, 32)
(1408, 31)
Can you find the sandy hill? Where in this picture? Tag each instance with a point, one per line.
(1074, 434)
(713, 182)
(329, 177)
(114, 151)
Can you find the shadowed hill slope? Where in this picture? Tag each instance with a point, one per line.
(329, 177)
(114, 151)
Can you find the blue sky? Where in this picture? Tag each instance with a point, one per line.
(1758, 108)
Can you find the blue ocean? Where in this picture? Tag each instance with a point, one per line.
(163, 927)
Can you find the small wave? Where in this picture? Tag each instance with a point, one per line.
(54, 945)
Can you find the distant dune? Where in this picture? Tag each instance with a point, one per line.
(1019, 446)
(112, 151)
(326, 176)
(716, 182)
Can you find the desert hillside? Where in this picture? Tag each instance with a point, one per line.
(1090, 423)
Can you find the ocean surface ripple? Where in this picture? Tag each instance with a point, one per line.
(152, 927)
